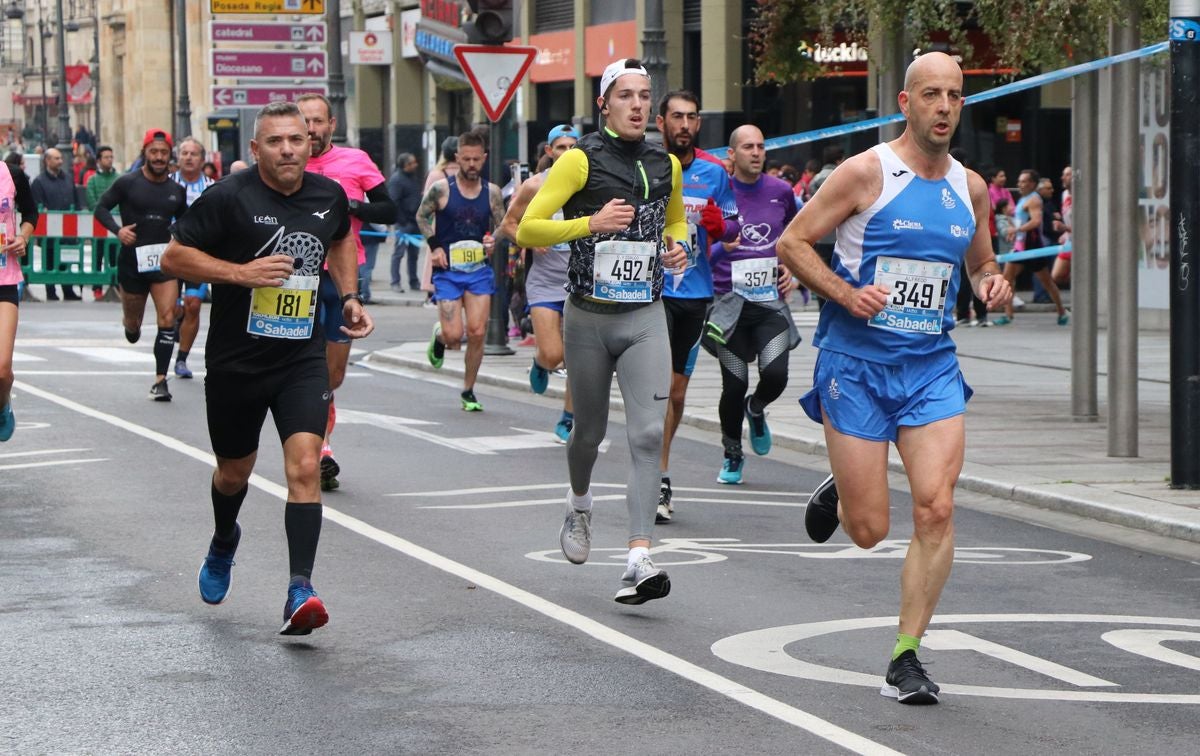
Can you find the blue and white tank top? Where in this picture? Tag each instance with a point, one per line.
(193, 188)
(912, 238)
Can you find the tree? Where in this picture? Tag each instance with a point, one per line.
(1027, 36)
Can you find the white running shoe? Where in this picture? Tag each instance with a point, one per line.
(643, 582)
(575, 538)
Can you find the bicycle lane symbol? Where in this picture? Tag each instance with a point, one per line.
(674, 552)
(766, 650)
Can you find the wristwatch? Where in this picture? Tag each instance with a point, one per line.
(352, 295)
(353, 206)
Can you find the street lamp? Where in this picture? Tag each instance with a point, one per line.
(14, 11)
(44, 34)
(64, 117)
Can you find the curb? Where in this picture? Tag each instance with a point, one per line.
(1024, 494)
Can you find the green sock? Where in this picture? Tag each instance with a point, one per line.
(905, 643)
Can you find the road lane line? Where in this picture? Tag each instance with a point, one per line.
(52, 463)
(10, 455)
(525, 503)
(676, 665)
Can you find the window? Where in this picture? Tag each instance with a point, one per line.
(553, 15)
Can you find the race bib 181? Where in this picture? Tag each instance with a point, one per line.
(284, 312)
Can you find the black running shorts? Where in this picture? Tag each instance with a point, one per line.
(297, 396)
(8, 293)
(128, 278)
(685, 324)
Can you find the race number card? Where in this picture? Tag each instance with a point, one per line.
(755, 279)
(466, 256)
(149, 257)
(284, 312)
(622, 271)
(918, 294)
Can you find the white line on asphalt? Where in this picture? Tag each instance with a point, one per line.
(51, 463)
(527, 503)
(416, 375)
(93, 372)
(500, 489)
(676, 665)
(40, 451)
(736, 490)
(688, 500)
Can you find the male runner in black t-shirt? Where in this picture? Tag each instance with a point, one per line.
(260, 237)
(149, 201)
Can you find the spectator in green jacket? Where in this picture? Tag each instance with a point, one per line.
(103, 178)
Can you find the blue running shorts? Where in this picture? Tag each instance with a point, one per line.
(449, 285)
(331, 311)
(871, 400)
(556, 306)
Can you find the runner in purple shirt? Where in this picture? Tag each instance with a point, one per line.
(750, 319)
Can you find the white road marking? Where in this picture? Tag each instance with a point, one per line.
(377, 419)
(10, 455)
(50, 463)
(25, 357)
(1148, 643)
(559, 500)
(956, 640)
(89, 373)
(767, 650)
(500, 489)
(620, 641)
(113, 354)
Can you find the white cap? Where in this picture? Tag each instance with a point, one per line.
(619, 68)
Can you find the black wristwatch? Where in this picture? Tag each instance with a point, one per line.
(352, 295)
(354, 205)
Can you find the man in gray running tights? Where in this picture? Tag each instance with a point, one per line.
(622, 204)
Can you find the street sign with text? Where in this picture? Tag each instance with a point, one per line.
(495, 72)
(267, 31)
(267, 6)
(239, 96)
(269, 64)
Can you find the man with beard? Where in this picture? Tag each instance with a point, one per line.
(361, 180)
(456, 218)
(149, 202)
(712, 215)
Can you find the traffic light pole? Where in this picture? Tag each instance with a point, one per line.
(1185, 205)
(497, 332)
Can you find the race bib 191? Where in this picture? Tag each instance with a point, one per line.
(918, 294)
(284, 312)
(466, 256)
(149, 257)
(756, 279)
(623, 271)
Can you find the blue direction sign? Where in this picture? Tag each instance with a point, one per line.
(269, 64)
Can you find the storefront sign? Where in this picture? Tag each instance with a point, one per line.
(555, 60)
(370, 48)
(604, 43)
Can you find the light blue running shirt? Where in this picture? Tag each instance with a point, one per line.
(701, 180)
(913, 238)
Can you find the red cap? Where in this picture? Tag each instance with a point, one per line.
(153, 135)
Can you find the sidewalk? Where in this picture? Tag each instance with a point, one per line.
(1022, 443)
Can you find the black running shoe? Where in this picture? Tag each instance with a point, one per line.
(329, 473)
(907, 682)
(159, 392)
(820, 516)
(665, 510)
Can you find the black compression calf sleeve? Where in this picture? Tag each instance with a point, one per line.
(303, 525)
(225, 511)
(164, 347)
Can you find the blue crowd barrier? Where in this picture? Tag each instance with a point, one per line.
(817, 135)
(415, 240)
(1029, 254)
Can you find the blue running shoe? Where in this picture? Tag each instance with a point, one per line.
(8, 423)
(182, 370)
(760, 434)
(539, 378)
(216, 571)
(562, 431)
(303, 612)
(731, 471)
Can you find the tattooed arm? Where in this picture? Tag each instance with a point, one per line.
(435, 199)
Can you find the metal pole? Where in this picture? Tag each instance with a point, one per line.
(497, 335)
(337, 82)
(96, 72)
(1084, 311)
(1123, 263)
(654, 53)
(64, 118)
(890, 72)
(183, 110)
(1185, 204)
(42, 50)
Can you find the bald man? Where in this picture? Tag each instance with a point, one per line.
(907, 215)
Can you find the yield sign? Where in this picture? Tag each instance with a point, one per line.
(495, 72)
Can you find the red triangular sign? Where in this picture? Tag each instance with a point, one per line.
(495, 72)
